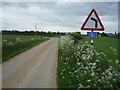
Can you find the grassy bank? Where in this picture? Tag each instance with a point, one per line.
(14, 44)
(81, 67)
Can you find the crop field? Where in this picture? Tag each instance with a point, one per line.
(15, 44)
(79, 66)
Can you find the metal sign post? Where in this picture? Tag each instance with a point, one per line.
(91, 43)
(92, 39)
(92, 35)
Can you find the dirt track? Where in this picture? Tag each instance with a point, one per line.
(34, 68)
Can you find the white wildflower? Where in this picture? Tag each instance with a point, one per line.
(32, 38)
(76, 76)
(80, 85)
(89, 57)
(101, 52)
(83, 56)
(88, 80)
(97, 60)
(61, 73)
(77, 59)
(117, 61)
(88, 86)
(94, 64)
(99, 80)
(111, 47)
(78, 63)
(86, 42)
(4, 40)
(18, 40)
(86, 67)
(110, 61)
(90, 64)
(10, 43)
(110, 74)
(114, 79)
(102, 77)
(103, 73)
(63, 70)
(92, 53)
(92, 74)
(114, 50)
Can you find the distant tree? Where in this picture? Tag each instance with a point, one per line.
(104, 34)
(98, 33)
(118, 35)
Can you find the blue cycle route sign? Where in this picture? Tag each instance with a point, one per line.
(92, 34)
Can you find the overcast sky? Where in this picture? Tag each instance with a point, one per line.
(57, 16)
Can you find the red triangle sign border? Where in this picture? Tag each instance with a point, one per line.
(96, 29)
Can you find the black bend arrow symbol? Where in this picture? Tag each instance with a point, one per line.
(95, 20)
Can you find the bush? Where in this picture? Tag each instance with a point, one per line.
(76, 37)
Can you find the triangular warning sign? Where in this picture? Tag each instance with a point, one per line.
(96, 21)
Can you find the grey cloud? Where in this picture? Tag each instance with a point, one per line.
(69, 8)
(67, 14)
(14, 4)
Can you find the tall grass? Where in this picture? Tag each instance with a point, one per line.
(79, 66)
(14, 44)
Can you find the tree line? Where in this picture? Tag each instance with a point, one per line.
(41, 33)
(51, 34)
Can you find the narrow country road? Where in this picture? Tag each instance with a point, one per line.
(34, 68)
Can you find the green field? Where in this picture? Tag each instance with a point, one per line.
(15, 44)
(104, 44)
(79, 66)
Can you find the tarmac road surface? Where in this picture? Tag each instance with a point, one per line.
(34, 68)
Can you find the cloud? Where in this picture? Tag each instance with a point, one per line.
(56, 16)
